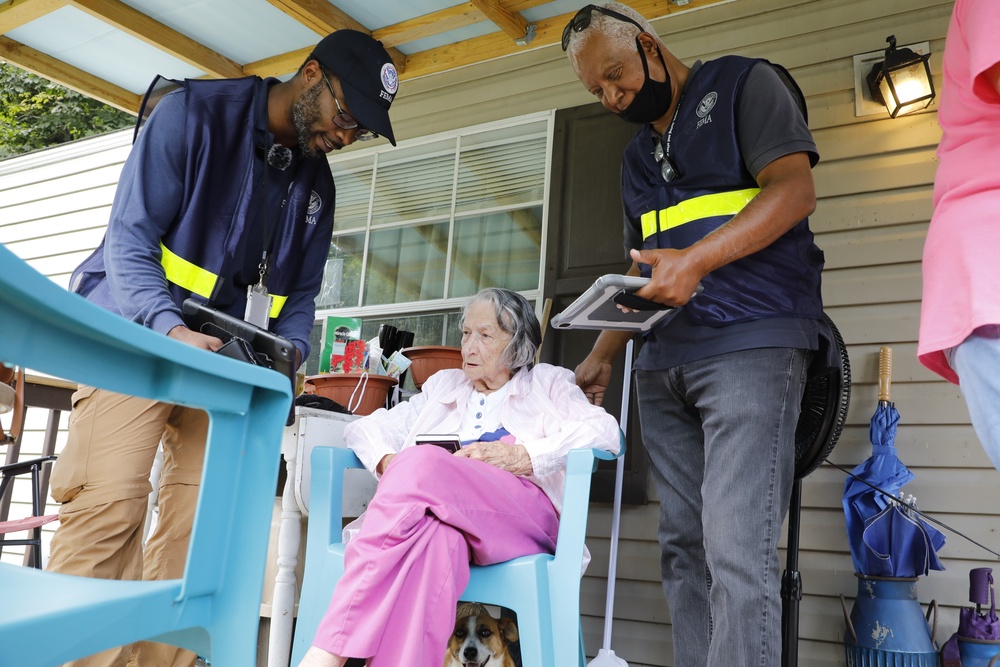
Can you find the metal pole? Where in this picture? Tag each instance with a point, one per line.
(791, 584)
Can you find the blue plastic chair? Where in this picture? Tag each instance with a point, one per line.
(544, 590)
(47, 618)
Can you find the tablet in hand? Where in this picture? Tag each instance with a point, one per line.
(447, 441)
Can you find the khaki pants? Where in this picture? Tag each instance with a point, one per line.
(102, 480)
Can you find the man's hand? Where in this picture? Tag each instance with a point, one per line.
(512, 458)
(593, 377)
(675, 276)
(195, 338)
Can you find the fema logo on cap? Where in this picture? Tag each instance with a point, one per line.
(390, 80)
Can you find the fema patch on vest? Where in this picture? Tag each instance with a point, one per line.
(705, 107)
(315, 204)
(390, 81)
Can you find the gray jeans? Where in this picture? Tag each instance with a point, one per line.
(720, 433)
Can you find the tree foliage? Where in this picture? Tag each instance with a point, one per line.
(37, 113)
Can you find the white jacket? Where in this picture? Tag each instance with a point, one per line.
(544, 410)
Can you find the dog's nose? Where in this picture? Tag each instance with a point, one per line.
(470, 653)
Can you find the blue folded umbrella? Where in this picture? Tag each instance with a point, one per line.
(884, 537)
(900, 544)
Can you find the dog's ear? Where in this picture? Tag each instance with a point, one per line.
(508, 629)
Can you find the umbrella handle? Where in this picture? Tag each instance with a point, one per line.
(933, 606)
(884, 372)
(847, 618)
(993, 660)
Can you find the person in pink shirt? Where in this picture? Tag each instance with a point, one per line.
(434, 512)
(960, 313)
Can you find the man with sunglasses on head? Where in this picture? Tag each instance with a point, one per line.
(716, 187)
(226, 197)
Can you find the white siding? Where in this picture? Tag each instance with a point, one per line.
(54, 203)
(54, 206)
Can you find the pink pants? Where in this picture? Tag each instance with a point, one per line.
(432, 514)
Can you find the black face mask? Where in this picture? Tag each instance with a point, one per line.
(653, 99)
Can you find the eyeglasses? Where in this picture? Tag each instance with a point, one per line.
(667, 170)
(581, 21)
(345, 120)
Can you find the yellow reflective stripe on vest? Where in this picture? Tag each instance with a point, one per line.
(200, 281)
(698, 208)
(648, 221)
(190, 276)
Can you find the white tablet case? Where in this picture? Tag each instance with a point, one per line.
(594, 309)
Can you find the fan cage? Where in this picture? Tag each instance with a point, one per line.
(825, 402)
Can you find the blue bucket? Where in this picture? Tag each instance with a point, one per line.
(887, 627)
(979, 652)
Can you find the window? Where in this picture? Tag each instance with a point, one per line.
(421, 227)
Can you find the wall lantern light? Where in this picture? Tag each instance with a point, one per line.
(902, 82)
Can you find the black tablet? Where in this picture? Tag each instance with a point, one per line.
(269, 349)
(597, 307)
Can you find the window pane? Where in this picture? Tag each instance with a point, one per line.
(342, 274)
(353, 179)
(497, 250)
(427, 330)
(406, 264)
(501, 174)
(316, 346)
(414, 183)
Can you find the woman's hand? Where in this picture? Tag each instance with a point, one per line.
(384, 463)
(512, 458)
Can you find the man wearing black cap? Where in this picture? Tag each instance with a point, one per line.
(226, 197)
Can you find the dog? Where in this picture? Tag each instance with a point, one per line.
(479, 640)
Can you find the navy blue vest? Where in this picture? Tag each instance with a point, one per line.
(222, 136)
(782, 280)
(205, 245)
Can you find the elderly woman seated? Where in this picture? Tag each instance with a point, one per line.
(434, 512)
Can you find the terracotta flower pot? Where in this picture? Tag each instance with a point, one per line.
(426, 360)
(369, 395)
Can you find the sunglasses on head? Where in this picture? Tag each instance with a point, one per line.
(345, 120)
(581, 21)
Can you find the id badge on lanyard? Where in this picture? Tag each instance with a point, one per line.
(258, 310)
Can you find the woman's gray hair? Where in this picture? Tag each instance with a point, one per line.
(516, 317)
(617, 30)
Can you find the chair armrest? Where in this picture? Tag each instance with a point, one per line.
(573, 524)
(611, 456)
(326, 493)
(47, 328)
(22, 467)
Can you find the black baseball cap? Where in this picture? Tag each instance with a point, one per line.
(366, 74)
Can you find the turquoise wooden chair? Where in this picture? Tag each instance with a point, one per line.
(47, 618)
(544, 590)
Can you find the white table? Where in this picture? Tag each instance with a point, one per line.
(310, 429)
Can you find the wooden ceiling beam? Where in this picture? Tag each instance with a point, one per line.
(428, 25)
(278, 65)
(323, 18)
(498, 45)
(66, 75)
(154, 33)
(512, 23)
(449, 18)
(16, 13)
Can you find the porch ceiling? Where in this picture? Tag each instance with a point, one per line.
(111, 49)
